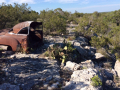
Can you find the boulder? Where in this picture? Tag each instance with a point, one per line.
(90, 48)
(117, 67)
(82, 40)
(80, 49)
(87, 64)
(99, 57)
(72, 66)
(109, 83)
(81, 80)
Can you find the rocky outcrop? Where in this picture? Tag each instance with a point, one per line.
(84, 71)
(81, 80)
(26, 70)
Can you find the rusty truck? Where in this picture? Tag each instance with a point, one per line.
(28, 34)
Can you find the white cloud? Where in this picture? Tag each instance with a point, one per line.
(22, 1)
(1, 1)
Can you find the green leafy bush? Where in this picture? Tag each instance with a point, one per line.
(96, 81)
(117, 56)
(99, 42)
(54, 21)
(46, 53)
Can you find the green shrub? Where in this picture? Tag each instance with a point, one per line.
(46, 53)
(117, 56)
(64, 53)
(116, 79)
(84, 67)
(96, 81)
(1, 49)
(99, 42)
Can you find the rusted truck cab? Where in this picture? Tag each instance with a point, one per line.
(24, 35)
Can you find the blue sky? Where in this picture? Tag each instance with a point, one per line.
(82, 6)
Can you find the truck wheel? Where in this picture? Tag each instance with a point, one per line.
(9, 48)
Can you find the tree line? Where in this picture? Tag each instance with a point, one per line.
(13, 14)
(53, 20)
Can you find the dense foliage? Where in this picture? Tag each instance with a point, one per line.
(96, 81)
(13, 14)
(54, 21)
(103, 30)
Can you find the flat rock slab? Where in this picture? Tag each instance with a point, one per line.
(29, 72)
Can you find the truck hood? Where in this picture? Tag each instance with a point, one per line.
(4, 31)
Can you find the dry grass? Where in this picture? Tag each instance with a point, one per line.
(117, 81)
(71, 38)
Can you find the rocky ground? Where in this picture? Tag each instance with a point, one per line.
(36, 72)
